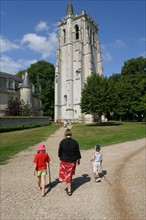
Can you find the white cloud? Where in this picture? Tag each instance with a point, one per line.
(6, 45)
(8, 65)
(119, 44)
(41, 44)
(42, 26)
(55, 27)
(27, 63)
(106, 56)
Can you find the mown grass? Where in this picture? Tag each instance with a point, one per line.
(15, 141)
(108, 133)
(87, 135)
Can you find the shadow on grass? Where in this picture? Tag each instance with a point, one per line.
(104, 124)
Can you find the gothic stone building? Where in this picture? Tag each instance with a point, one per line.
(78, 56)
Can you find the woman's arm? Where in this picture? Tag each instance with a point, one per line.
(78, 161)
(60, 150)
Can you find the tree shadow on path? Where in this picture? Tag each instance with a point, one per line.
(79, 181)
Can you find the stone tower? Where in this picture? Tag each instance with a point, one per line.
(78, 56)
(26, 90)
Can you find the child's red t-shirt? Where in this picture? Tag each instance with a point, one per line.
(41, 159)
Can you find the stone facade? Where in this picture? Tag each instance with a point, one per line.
(13, 87)
(78, 56)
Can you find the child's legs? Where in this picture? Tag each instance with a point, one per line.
(97, 174)
(43, 182)
(99, 169)
(69, 186)
(95, 169)
(39, 181)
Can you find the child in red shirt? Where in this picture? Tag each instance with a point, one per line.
(40, 168)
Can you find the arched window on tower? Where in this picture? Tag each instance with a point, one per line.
(65, 99)
(93, 38)
(76, 32)
(87, 32)
(64, 36)
(90, 36)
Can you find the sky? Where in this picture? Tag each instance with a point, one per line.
(29, 31)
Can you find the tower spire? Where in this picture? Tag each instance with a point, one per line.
(69, 8)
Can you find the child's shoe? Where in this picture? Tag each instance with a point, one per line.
(98, 179)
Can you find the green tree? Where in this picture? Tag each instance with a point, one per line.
(16, 107)
(42, 75)
(114, 85)
(25, 109)
(13, 107)
(21, 73)
(122, 95)
(96, 96)
(133, 87)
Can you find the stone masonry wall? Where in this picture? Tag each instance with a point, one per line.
(23, 121)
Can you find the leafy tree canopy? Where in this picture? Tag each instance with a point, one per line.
(95, 95)
(121, 94)
(130, 87)
(42, 76)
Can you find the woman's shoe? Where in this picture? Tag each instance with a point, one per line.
(68, 193)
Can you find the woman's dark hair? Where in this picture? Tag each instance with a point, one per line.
(68, 132)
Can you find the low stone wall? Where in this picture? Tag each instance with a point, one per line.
(6, 122)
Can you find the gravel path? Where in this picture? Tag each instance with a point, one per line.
(120, 195)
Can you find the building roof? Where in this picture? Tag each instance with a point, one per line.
(69, 9)
(10, 76)
(4, 86)
(26, 83)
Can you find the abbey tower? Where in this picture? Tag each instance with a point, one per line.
(78, 56)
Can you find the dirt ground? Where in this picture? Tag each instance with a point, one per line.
(121, 194)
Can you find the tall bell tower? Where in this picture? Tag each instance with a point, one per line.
(78, 56)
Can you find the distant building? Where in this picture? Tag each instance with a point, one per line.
(12, 87)
(78, 56)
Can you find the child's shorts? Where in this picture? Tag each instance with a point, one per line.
(97, 167)
(41, 172)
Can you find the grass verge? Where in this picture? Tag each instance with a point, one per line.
(108, 133)
(15, 141)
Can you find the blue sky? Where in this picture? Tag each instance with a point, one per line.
(29, 31)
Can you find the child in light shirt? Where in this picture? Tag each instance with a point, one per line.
(97, 163)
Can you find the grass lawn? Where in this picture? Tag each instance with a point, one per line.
(108, 133)
(15, 141)
(87, 135)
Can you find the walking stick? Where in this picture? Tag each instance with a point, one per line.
(49, 175)
(105, 177)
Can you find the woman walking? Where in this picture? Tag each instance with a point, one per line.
(69, 154)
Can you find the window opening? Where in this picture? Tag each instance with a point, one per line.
(64, 36)
(77, 32)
